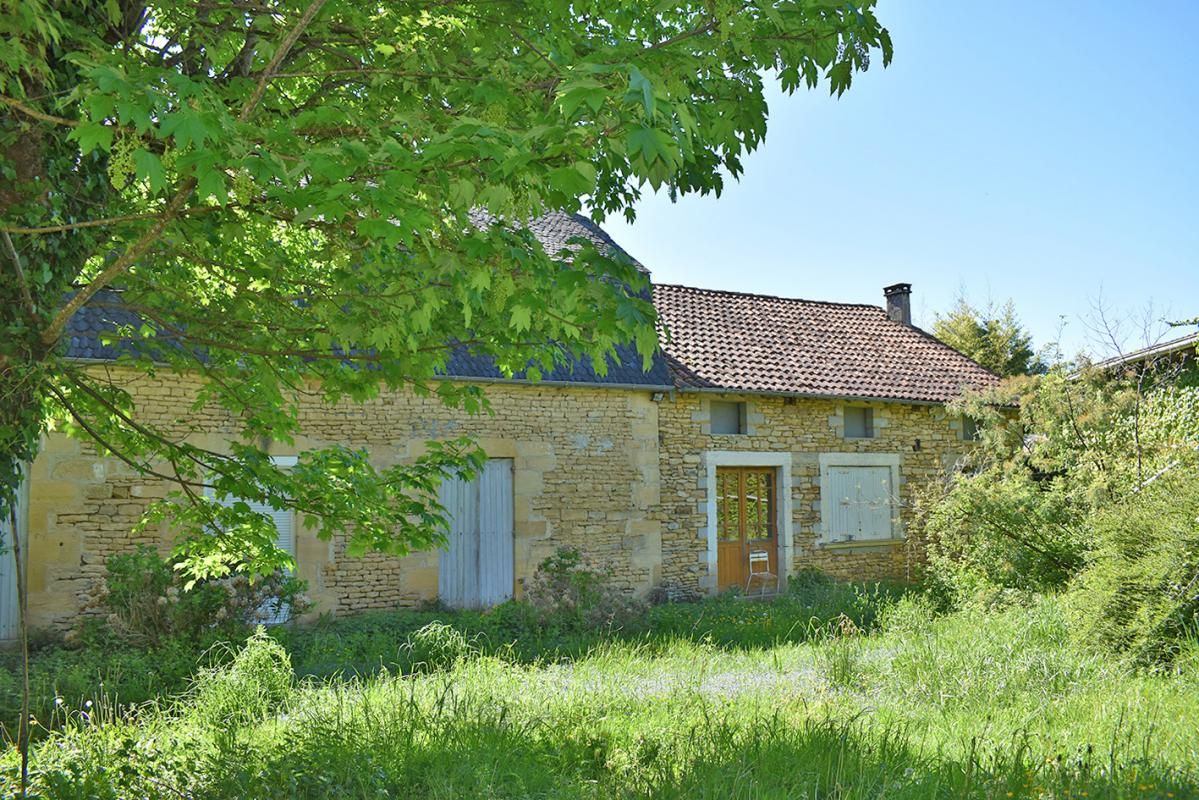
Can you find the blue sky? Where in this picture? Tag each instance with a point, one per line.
(1042, 152)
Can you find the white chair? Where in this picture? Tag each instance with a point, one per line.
(759, 568)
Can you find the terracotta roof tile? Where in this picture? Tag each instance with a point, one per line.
(756, 343)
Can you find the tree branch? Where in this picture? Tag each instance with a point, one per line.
(195, 211)
(41, 116)
(711, 26)
(125, 261)
(24, 284)
(280, 53)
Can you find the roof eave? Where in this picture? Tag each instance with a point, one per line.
(646, 387)
(811, 395)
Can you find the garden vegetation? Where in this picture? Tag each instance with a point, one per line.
(1052, 652)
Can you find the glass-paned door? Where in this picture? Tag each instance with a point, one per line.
(746, 521)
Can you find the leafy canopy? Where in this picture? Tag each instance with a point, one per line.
(992, 336)
(325, 196)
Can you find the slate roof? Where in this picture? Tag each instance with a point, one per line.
(554, 231)
(755, 343)
(103, 314)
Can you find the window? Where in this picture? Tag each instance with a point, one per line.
(970, 430)
(858, 497)
(272, 611)
(859, 422)
(727, 417)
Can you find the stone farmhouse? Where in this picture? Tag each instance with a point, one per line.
(770, 435)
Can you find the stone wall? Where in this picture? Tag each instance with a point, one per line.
(610, 471)
(926, 439)
(585, 474)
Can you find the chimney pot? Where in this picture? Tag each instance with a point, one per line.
(899, 302)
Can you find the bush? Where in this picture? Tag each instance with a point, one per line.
(572, 594)
(1140, 594)
(995, 531)
(145, 602)
(256, 683)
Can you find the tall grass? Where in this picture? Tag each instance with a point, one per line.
(969, 705)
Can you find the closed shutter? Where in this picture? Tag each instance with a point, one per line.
(476, 567)
(862, 503)
(10, 612)
(876, 503)
(459, 561)
(285, 540)
(284, 520)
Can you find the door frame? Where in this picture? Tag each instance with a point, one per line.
(784, 527)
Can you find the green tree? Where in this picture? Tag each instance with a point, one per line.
(329, 193)
(992, 336)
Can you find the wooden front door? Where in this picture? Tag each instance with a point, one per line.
(746, 521)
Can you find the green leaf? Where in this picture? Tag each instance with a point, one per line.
(92, 135)
(210, 182)
(575, 180)
(186, 126)
(587, 91)
(520, 319)
(149, 167)
(640, 85)
(462, 193)
(652, 145)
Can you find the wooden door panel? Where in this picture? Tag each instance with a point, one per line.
(731, 565)
(475, 569)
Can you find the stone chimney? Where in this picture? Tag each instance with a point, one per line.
(899, 302)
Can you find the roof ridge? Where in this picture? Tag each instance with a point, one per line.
(736, 293)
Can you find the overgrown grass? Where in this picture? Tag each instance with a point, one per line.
(971, 705)
(106, 669)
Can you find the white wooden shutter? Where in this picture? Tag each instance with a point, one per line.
(863, 503)
(843, 522)
(458, 563)
(10, 625)
(495, 532)
(285, 540)
(476, 567)
(284, 519)
(876, 502)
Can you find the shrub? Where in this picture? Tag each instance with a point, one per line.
(572, 594)
(256, 683)
(1140, 594)
(145, 602)
(1002, 531)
